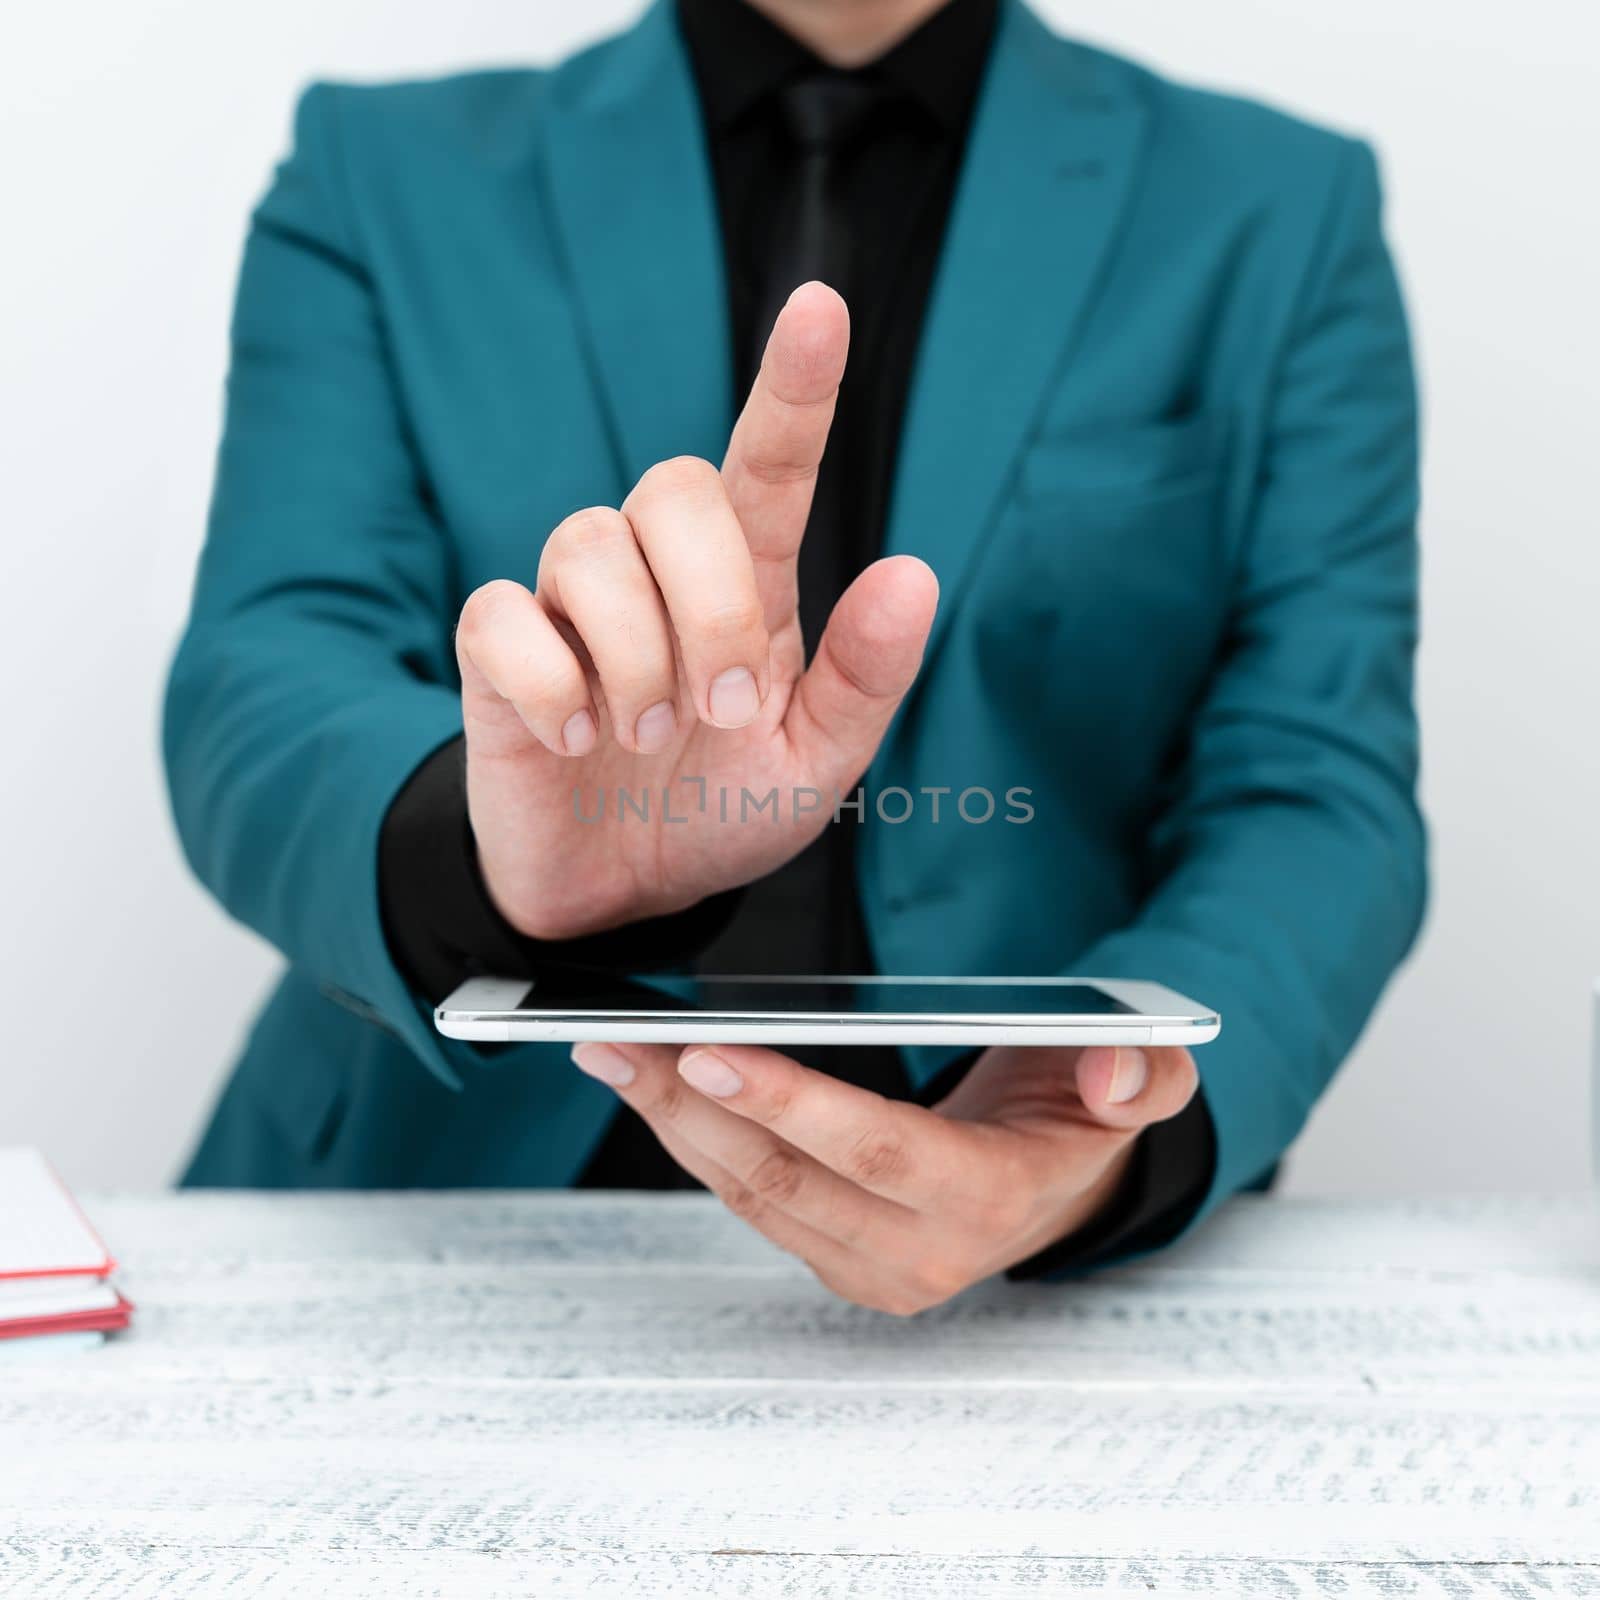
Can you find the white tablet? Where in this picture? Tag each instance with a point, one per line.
(824, 1010)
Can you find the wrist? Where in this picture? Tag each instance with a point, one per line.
(551, 915)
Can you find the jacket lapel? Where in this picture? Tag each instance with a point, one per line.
(1049, 165)
(631, 186)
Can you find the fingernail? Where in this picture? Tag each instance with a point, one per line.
(734, 698)
(652, 731)
(1129, 1076)
(578, 734)
(602, 1062)
(710, 1074)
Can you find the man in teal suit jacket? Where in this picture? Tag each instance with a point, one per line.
(1159, 452)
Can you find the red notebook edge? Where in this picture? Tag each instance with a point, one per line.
(109, 1320)
(103, 1271)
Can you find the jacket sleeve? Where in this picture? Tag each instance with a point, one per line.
(1289, 867)
(315, 673)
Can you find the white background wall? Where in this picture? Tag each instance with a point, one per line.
(133, 139)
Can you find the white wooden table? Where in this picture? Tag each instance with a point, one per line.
(559, 1395)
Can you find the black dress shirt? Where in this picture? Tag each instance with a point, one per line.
(895, 183)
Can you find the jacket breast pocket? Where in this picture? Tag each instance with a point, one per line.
(1131, 461)
(1113, 589)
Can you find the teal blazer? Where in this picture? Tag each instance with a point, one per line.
(1160, 449)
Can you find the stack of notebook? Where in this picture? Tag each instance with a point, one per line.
(55, 1274)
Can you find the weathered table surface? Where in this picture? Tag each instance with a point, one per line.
(554, 1395)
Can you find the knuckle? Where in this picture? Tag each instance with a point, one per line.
(486, 605)
(559, 685)
(780, 463)
(876, 1158)
(847, 1223)
(841, 1285)
(593, 530)
(901, 1300)
(900, 1305)
(680, 477)
(778, 1176)
(734, 620)
(931, 1283)
(669, 1101)
(778, 1104)
(641, 681)
(870, 1295)
(742, 1201)
(891, 1297)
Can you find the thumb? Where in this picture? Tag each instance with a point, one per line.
(868, 657)
(1123, 1086)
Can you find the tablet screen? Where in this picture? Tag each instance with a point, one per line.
(827, 996)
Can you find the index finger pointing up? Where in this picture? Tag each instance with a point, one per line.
(771, 466)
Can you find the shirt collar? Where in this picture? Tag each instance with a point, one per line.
(740, 58)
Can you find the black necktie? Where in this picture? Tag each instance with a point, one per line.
(824, 115)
